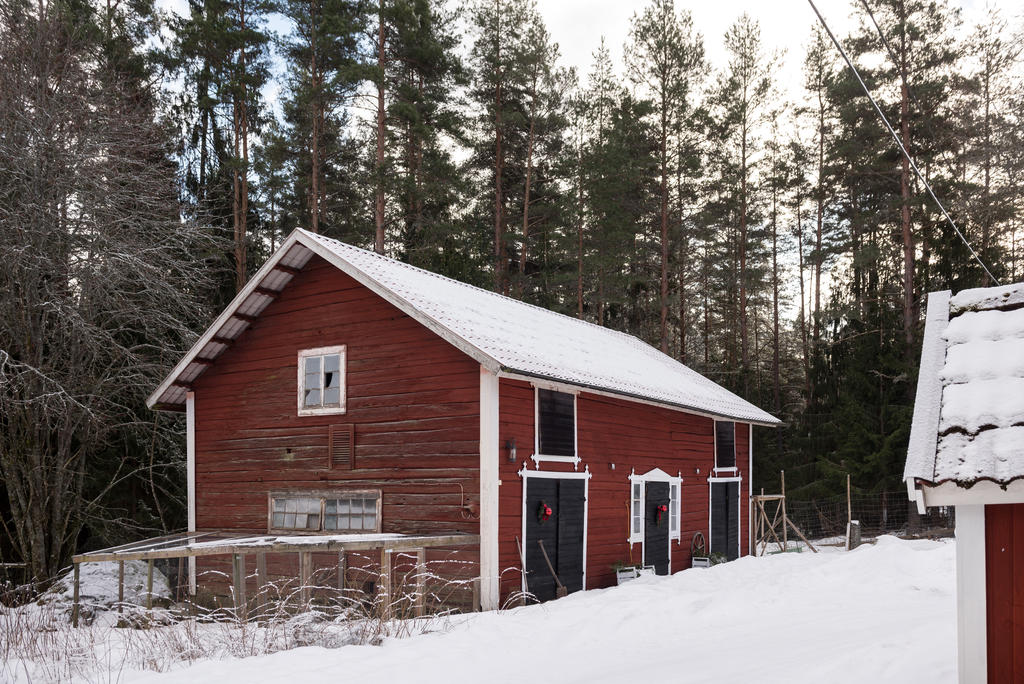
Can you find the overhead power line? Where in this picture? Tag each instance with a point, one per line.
(899, 143)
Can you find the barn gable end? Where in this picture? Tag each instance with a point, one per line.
(412, 407)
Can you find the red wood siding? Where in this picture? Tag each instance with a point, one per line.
(634, 437)
(412, 397)
(1004, 579)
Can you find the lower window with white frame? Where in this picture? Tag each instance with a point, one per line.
(356, 511)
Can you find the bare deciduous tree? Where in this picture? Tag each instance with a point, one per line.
(100, 278)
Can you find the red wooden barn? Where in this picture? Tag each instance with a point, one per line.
(342, 391)
(967, 450)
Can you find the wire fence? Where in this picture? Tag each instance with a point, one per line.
(878, 513)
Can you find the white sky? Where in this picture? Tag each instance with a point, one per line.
(577, 25)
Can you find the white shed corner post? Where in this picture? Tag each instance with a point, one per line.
(489, 589)
(190, 479)
(971, 613)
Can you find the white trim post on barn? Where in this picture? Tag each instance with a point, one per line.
(190, 478)
(489, 589)
(750, 488)
(971, 613)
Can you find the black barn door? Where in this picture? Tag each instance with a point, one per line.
(562, 534)
(655, 530)
(725, 518)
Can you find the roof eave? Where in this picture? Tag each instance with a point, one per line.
(218, 323)
(299, 236)
(675, 406)
(927, 401)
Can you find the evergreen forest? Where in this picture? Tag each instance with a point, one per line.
(768, 234)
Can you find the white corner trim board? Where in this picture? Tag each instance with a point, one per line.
(971, 613)
(190, 477)
(488, 490)
(750, 489)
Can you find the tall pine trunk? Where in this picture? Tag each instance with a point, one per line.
(378, 212)
(316, 120)
(820, 202)
(240, 181)
(524, 253)
(744, 351)
(499, 162)
(909, 317)
(664, 224)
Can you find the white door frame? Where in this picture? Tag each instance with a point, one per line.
(739, 511)
(654, 475)
(527, 475)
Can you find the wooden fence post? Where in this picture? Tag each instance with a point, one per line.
(385, 583)
(342, 571)
(305, 577)
(120, 587)
(238, 579)
(261, 584)
(75, 609)
(421, 571)
(149, 585)
(785, 532)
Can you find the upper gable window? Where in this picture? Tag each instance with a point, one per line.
(322, 381)
(556, 423)
(725, 444)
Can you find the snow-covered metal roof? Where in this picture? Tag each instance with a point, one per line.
(503, 334)
(969, 411)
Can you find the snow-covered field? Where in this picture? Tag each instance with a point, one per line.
(882, 613)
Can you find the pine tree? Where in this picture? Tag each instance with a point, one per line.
(324, 70)
(423, 112)
(665, 56)
(740, 100)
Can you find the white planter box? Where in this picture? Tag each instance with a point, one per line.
(700, 562)
(626, 574)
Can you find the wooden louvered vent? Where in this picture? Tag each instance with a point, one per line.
(340, 447)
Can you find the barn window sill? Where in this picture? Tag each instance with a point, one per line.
(541, 458)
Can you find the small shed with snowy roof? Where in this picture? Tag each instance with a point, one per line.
(967, 450)
(343, 392)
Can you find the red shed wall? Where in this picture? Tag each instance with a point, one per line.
(1004, 570)
(634, 437)
(412, 397)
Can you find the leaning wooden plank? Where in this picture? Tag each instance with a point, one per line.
(801, 535)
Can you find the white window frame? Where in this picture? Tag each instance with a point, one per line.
(341, 351)
(714, 454)
(656, 475)
(323, 495)
(538, 457)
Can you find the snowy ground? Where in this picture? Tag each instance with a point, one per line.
(882, 613)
